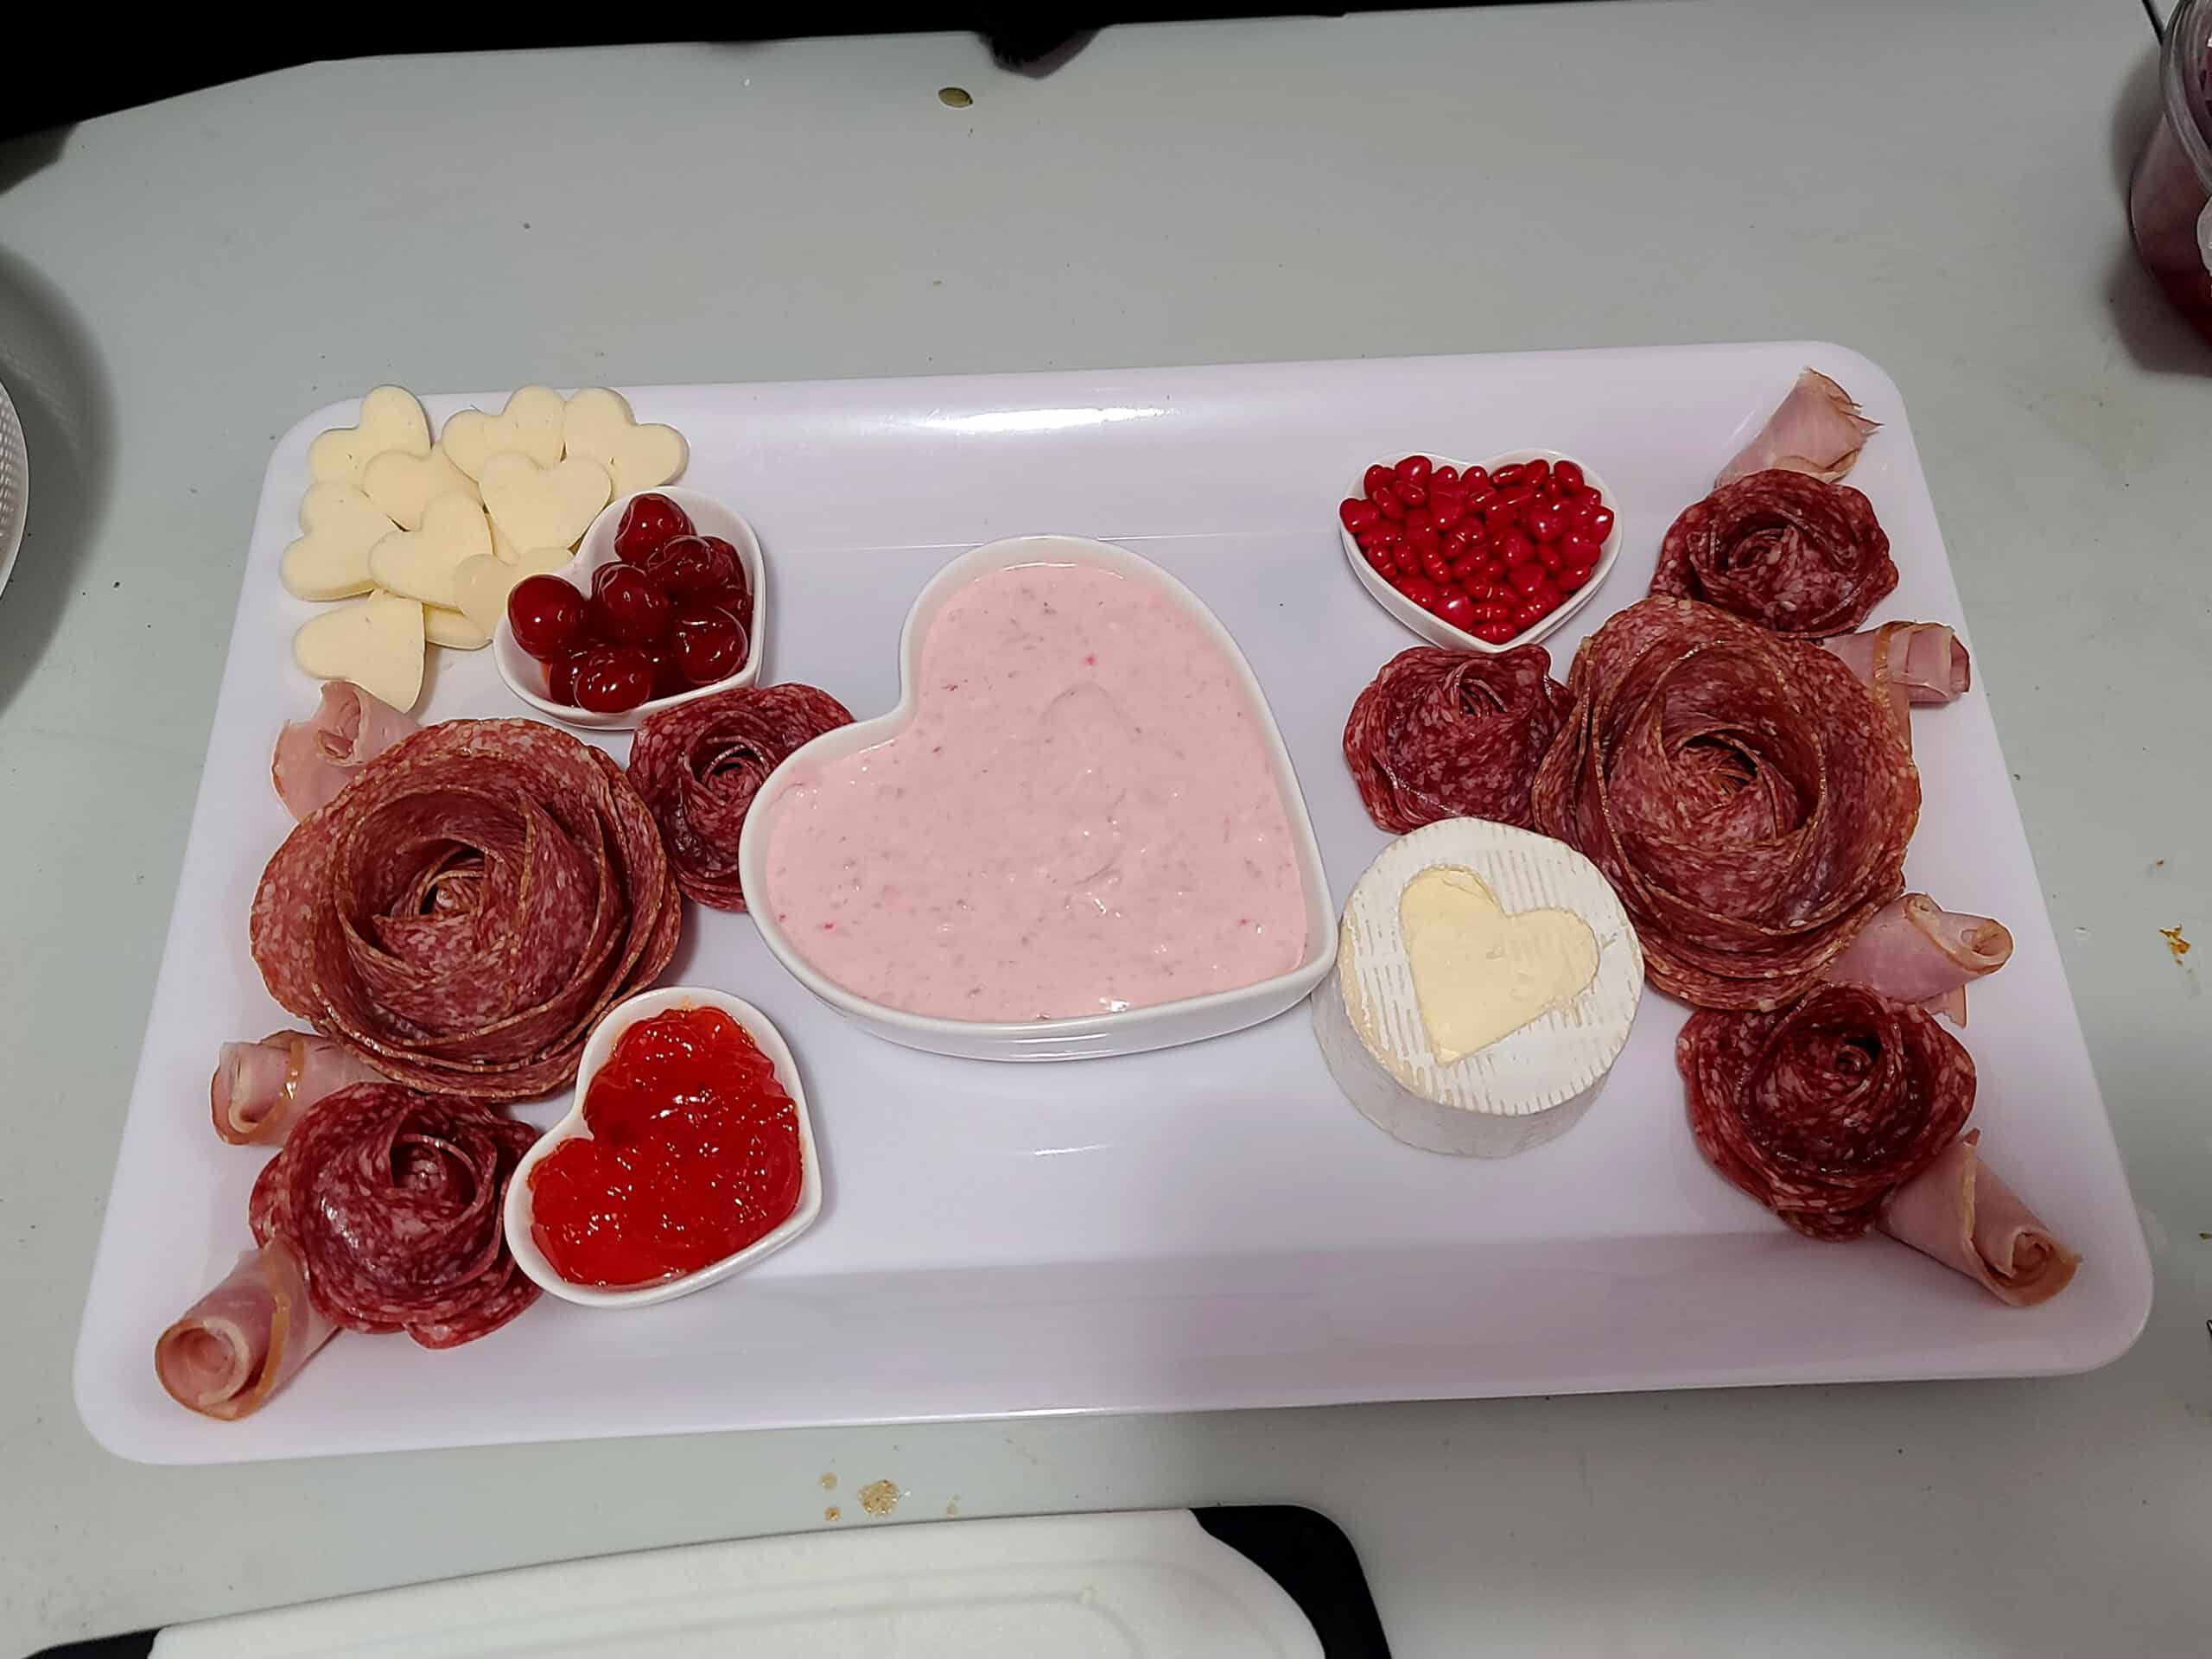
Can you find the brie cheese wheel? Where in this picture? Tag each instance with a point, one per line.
(1485, 982)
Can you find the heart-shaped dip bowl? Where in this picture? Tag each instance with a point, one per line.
(525, 675)
(1130, 1030)
(517, 1214)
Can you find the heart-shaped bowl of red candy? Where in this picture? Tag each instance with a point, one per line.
(1481, 557)
(662, 603)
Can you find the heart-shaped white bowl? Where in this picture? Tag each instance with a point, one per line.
(617, 1021)
(525, 675)
(1134, 1030)
(1435, 629)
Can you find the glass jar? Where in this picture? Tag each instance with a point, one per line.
(2168, 201)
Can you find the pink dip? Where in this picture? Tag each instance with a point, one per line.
(1082, 817)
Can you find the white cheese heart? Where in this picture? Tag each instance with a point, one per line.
(528, 425)
(391, 419)
(332, 560)
(1480, 975)
(420, 563)
(481, 585)
(543, 506)
(376, 643)
(1462, 1017)
(599, 426)
(452, 630)
(404, 485)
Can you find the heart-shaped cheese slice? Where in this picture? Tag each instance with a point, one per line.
(332, 560)
(376, 643)
(482, 585)
(1480, 975)
(543, 506)
(391, 419)
(528, 425)
(599, 426)
(420, 563)
(452, 630)
(404, 485)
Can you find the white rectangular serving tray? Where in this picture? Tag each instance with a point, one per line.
(1207, 1226)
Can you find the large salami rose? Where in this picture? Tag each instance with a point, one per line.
(1747, 799)
(464, 911)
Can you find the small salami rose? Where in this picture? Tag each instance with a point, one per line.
(1453, 734)
(1786, 550)
(1822, 1113)
(699, 765)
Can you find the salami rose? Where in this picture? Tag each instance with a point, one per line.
(1453, 734)
(699, 765)
(391, 1200)
(1747, 799)
(1822, 1112)
(460, 915)
(1786, 550)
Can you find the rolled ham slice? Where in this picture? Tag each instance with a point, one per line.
(1958, 1211)
(1818, 430)
(259, 1090)
(1905, 663)
(317, 757)
(1916, 952)
(245, 1340)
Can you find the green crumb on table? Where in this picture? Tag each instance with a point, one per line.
(954, 98)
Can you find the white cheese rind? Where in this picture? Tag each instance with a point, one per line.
(1531, 1085)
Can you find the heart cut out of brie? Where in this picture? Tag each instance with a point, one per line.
(1480, 975)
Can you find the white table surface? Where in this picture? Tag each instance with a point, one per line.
(1935, 184)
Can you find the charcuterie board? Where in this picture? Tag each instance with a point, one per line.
(1205, 1226)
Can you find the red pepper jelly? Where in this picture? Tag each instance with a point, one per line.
(694, 1154)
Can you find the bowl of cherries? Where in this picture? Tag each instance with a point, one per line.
(1481, 557)
(661, 604)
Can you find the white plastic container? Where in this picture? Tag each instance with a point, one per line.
(617, 1021)
(525, 675)
(1434, 628)
(1134, 1031)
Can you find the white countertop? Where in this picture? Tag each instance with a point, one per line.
(1938, 185)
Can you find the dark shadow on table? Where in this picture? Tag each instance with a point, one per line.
(32, 153)
(60, 388)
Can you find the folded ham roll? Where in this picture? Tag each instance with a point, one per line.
(317, 757)
(1818, 430)
(259, 1090)
(1958, 1211)
(245, 1340)
(1905, 663)
(1916, 952)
